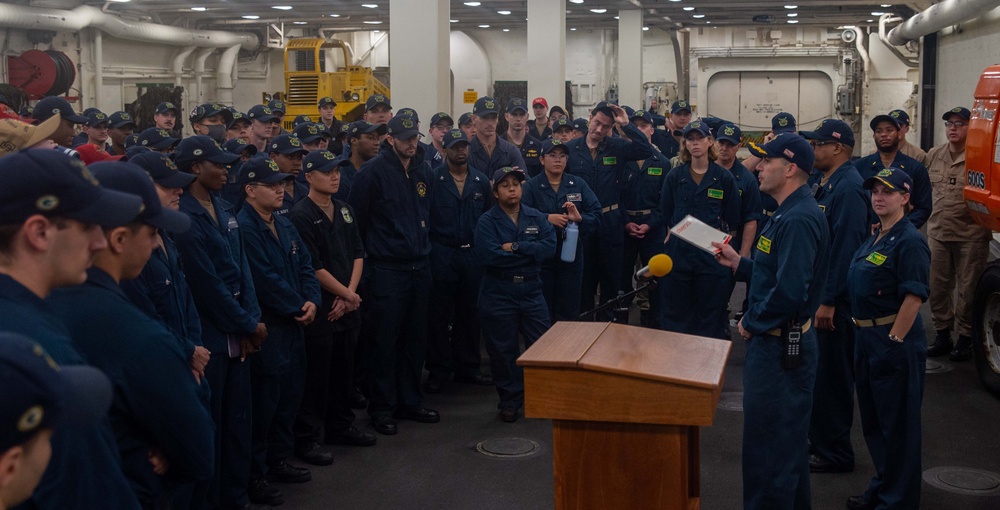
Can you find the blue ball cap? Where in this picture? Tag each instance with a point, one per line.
(262, 169)
(39, 394)
(834, 130)
(238, 118)
(156, 138)
(121, 119)
(783, 122)
(501, 173)
(516, 104)
(261, 113)
(309, 132)
(605, 108)
(162, 169)
(167, 106)
(465, 119)
(205, 110)
(893, 178)
(402, 127)
(201, 148)
(301, 119)
(27, 111)
(323, 101)
(485, 105)
(714, 123)
(581, 125)
(276, 106)
(729, 132)
(286, 144)
(680, 105)
(375, 100)
(453, 137)
(323, 161)
(238, 145)
(408, 112)
(641, 114)
(696, 126)
(52, 105)
(133, 141)
(52, 183)
(96, 118)
(129, 178)
(442, 117)
(789, 146)
(552, 144)
(901, 116)
(961, 111)
(562, 123)
(363, 127)
(878, 119)
(134, 150)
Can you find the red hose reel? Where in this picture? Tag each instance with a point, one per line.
(41, 73)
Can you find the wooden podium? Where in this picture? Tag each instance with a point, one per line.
(626, 404)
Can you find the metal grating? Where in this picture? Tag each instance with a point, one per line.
(302, 90)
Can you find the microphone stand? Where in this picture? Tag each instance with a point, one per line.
(619, 303)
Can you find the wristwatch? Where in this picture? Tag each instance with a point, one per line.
(895, 338)
(513, 247)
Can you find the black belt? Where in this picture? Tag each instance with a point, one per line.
(513, 277)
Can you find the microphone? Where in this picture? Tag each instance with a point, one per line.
(659, 265)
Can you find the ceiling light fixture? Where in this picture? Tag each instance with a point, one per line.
(645, 29)
(698, 16)
(334, 15)
(504, 13)
(886, 5)
(251, 16)
(688, 8)
(372, 22)
(299, 22)
(370, 6)
(573, 29)
(484, 26)
(473, 4)
(793, 21)
(877, 13)
(282, 7)
(506, 30)
(792, 14)
(453, 20)
(791, 7)
(576, 1)
(199, 9)
(598, 11)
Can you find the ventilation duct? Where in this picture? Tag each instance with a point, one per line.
(937, 17)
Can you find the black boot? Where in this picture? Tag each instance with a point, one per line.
(942, 344)
(963, 349)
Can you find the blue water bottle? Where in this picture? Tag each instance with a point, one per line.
(569, 244)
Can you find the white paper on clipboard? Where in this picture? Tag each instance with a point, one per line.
(696, 232)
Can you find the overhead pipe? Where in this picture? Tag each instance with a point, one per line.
(225, 75)
(883, 21)
(199, 73)
(859, 43)
(178, 66)
(98, 67)
(937, 17)
(37, 18)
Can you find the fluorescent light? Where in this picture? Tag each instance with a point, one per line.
(370, 6)
(453, 20)
(506, 30)
(251, 16)
(886, 5)
(598, 11)
(791, 7)
(372, 22)
(793, 21)
(645, 28)
(576, 1)
(299, 22)
(504, 13)
(699, 16)
(199, 9)
(473, 4)
(877, 13)
(792, 14)
(869, 20)
(573, 29)
(484, 26)
(334, 15)
(282, 7)
(688, 8)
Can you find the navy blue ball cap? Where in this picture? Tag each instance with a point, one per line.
(729, 132)
(238, 145)
(961, 111)
(133, 141)
(238, 118)
(286, 144)
(134, 150)
(901, 116)
(893, 178)
(323, 101)
(96, 118)
(605, 108)
(363, 127)
(309, 132)
(156, 138)
(129, 178)
(442, 117)
(641, 114)
(878, 119)
(696, 126)
(39, 394)
(276, 106)
(402, 127)
(201, 148)
(375, 100)
(205, 110)
(121, 119)
(628, 110)
(485, 105)
(680, 105)
(501, 173)
(53, 105)
(553, 144)
(262, 169)
(301, 119)
(714, 123)
(261, 113)
(465, 119)
(167, 106)
(344, 130)
(453, 137)
(562, 123)
(581, 125)
(783, 122)
(52, 183)
(789, 146)
(834, 130)
(162, 169)
(408, 112)
(323, 161)
(26, 111)
(517, 104)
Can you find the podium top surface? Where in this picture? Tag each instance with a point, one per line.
(631, 351)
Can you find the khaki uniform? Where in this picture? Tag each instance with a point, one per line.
(959, 247)
(914, 152)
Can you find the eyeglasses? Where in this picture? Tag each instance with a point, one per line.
(957, 124)
(820, 143)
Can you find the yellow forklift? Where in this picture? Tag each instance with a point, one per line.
(313, 70)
